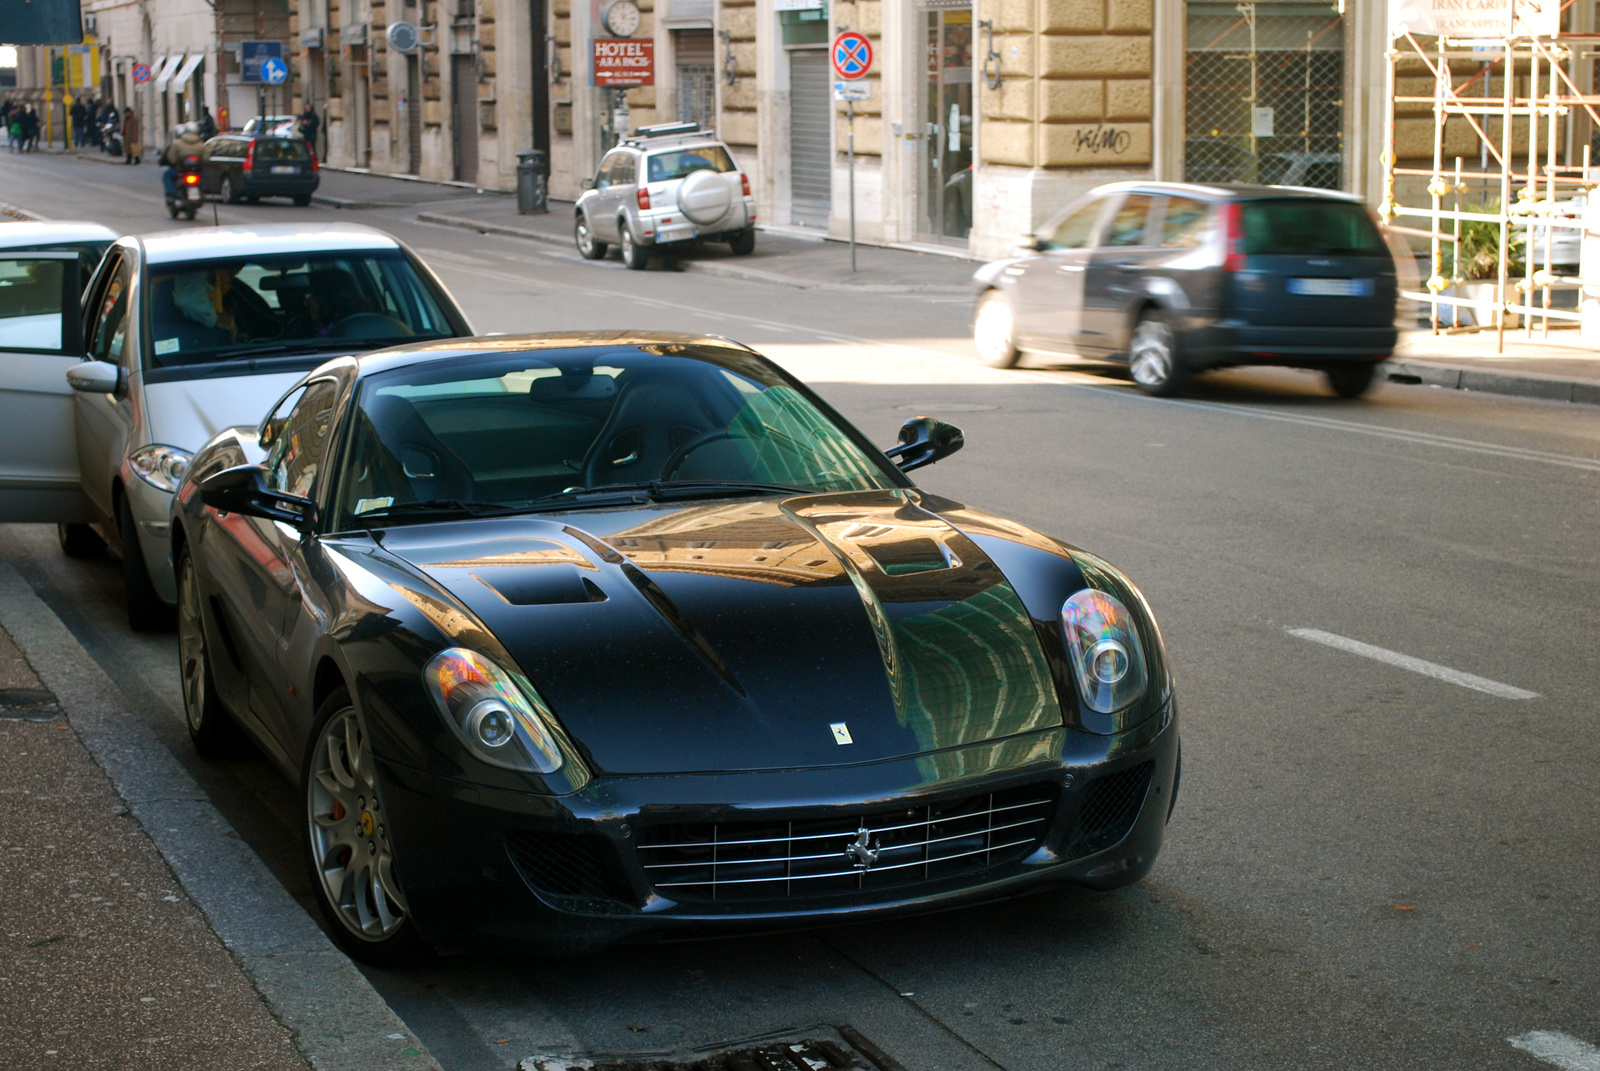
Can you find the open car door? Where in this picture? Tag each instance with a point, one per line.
(40, 338)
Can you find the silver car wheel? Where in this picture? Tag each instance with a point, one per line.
(191, 646)
(994, 332)
(1151, 353)
(349, 842)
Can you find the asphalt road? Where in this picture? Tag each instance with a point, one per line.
(1369, 866)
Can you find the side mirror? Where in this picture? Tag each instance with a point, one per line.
(243, 489)
(586, 184)
(924, 440)
(1036, 243)
(95, 377)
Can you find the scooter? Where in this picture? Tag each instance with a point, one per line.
(185, 201)
(111, 138)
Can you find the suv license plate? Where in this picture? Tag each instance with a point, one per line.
(1331, 287)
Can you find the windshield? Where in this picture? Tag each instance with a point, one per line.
(666, 166)
(224, 310)
(1311, 228)
(566, 429)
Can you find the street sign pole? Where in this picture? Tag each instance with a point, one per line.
(850, 125)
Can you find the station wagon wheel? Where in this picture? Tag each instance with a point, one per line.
(1352, 380)
(347, 842)
(210, 727)
(229, 194)
(1153, 356)
(589, 247)
(994, 330)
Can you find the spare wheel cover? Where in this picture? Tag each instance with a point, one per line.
(704, 196)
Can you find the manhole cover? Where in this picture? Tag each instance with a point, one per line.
(819, 1048)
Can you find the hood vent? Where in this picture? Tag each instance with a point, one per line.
(541, 585)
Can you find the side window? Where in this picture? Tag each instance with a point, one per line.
(32, 299)
(606, 174)
(300, 439)
(1128, 225)
(1077, 230)
(627, 170)
(108, 320)
(1186, 224)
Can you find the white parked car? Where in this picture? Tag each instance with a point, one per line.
(181, 334)
(665, 184)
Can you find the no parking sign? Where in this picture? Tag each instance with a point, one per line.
(852, 55)
(141, 73)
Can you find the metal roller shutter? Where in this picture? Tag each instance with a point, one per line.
(810, 149)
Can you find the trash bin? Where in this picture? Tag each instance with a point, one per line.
(533, 177)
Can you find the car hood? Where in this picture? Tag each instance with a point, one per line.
(187, 413)
(820, 630)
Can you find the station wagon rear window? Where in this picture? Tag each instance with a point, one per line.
(281, 149)
(677, 164)
(1310, 228)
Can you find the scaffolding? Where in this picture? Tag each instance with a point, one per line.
(1537, 91)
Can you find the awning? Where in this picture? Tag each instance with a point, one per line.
(181, 79)
(164, 75)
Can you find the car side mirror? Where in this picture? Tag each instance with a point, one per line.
(924, 440)
(243, 489)
(95, 377)
(586, 184)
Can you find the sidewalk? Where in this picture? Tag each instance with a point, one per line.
(1559, 368)
(106, 962)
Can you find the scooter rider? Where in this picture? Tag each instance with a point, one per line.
(187, 143)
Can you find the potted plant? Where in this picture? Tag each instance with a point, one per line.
(1478, 256)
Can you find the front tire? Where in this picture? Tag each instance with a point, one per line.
(589, 247)
(1352, 380)
(994, 329)
(211, 729)
(1153, 357)
(229, 194)
(146, 611)
(634, 255)
(79, 541)
(347, 843)
(743, 243)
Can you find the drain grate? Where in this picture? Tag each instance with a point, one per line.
(811, 1049)
(27, 704)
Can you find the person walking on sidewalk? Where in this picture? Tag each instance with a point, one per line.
(30, 129)
(132, 141)
(309, 125)
(208, 125)
(80, 125)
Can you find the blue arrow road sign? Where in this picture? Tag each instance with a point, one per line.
(274, 71)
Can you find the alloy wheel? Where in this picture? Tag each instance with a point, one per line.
(1151, 354)
(191, 645)
(585, 239)
(994, 332)
(349, 841)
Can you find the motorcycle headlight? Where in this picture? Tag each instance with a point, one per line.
(503, 721)
(160, 466)
(1103, 646)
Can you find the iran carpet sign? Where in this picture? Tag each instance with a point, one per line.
(1475, 18)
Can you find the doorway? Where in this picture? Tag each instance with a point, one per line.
(464, 118)
(946, 112)
(413, 116)
(695, 76)
(810, 138)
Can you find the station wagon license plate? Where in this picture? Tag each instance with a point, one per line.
(1331, 287)
(284, 169)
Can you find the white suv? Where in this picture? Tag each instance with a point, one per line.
(673, 182)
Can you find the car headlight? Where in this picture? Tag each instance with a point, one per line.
(1103, 646)
(160, 466)
(502, 720)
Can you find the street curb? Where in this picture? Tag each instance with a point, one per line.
(1516, 384)
(338, 1021)
(700, 266)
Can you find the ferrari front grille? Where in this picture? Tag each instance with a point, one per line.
(1110, 806)
(878, 849)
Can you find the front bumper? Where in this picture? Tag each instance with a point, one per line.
(488, 868)
(150, 507)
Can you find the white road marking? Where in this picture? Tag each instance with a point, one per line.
(1421, 438)
(1562, 1050)
(1415, 665)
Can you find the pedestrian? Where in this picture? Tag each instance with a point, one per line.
(309, 125)
(132, 142)
(208, 125)
(30, 129)
(79, 122)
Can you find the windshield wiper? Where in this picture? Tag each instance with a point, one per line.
(657, 490)
(303, 345)
(436, 507)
